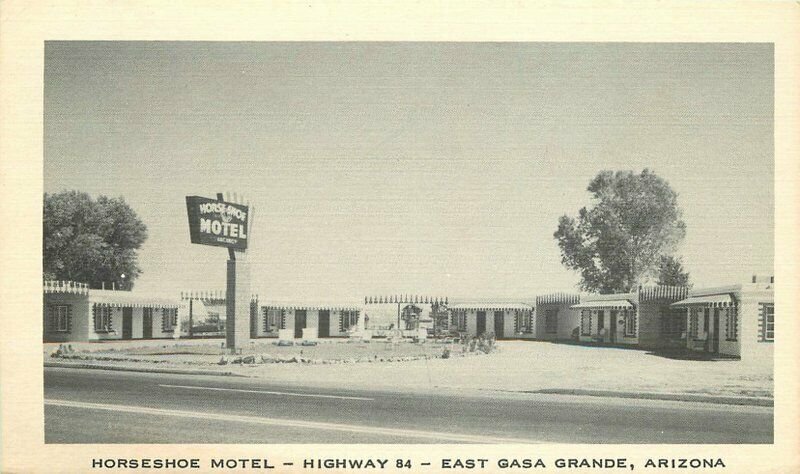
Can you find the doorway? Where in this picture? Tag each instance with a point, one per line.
(324, 326)
(601, 324)
(147, 323)
(612, 325)
(299, 323)
(499, 324)
(714, 343)
(127, 323)
(481, 323)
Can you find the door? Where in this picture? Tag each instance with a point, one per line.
(127, 323)
(499, 326)
(706, 327)
(601, 324)
(612, 325)
(299, 323)
(715, 332)
(481, 322)
(324, 326)
(147, 323)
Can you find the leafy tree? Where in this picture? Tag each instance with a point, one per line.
(618, 242)
(439, 314)
(91, 241)
(410, 315)
(671, 272)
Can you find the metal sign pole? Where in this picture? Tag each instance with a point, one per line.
(191, 300)
(237, 304)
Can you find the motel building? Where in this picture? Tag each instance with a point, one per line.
(75, 313)
(735, 321)
(642, 318)
(556, 320)
(308, 321)
(271, 319)
(730, 321)
(504, 320)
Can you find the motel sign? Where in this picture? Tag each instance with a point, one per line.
(217, 223)
(226, 224)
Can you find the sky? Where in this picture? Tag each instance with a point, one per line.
(422, 168)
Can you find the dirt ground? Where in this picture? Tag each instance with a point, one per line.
(515, 366)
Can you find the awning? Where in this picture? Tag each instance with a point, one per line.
(491, 306)
(607, 304)
(310, 306)
(126, 299)
(716, 301)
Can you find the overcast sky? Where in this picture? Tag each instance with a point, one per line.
(424, 168)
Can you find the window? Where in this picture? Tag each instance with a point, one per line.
(272, 319)
(460, 320)
(523, 322)
(694, 323)
(551, 321)
(768, 315)
(60, 318)
(731, 323)
(586, 323)
(103, 321)
(347, 320)
(630, 323)
(169, 319)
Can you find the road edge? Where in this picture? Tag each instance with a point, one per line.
(675, 397)
(151, 370)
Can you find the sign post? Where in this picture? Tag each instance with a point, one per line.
(221, 223)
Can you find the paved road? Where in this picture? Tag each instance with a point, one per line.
(98, 406)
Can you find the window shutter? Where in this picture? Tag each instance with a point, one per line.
(69, 318)
(762, 323)
(732, 322)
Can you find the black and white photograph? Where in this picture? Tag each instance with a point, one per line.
(399, 237)
(409, 242)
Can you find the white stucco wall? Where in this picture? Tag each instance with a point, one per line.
(749, 344)
(567, 320)
(137, 328)
(509, 323)
(80, 320)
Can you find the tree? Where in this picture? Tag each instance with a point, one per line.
(91, 241)
(671, 272)
(439, 314)
(410, 315)
(618, 242)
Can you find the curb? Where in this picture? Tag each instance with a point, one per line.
(678, 397)
(152, 370)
